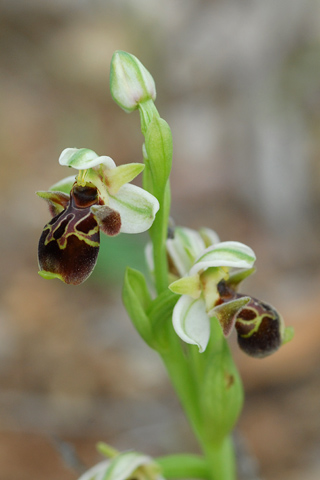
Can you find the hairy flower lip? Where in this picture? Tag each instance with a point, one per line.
(224, 254)
(69, 244)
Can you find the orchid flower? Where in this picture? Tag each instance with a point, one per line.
(125, 466)
(210, 276)
(100, 198)
(199, 293)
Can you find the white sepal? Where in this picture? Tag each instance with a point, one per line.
(186, 245)
(225, 254)
(209, 236)
(191, 321)
(83, 158)
(136, 206)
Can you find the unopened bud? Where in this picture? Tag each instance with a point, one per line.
(130, 82)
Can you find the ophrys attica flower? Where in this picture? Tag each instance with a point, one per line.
(100, 198)
(210, 276)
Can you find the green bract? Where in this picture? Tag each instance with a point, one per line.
(221, 391)
(137, 300)
(158, 147)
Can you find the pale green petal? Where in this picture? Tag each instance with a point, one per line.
(83, 158)
(121, 175)
(225, 254)
(187, 286)
(183, 249)
(191, 322)
(137, 208)
(64, 185)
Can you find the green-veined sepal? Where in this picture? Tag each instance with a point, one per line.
(83, 158)
(225, 254)
(183, 249)
(191, 322)
(137, 208)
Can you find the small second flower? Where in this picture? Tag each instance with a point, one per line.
(200, 299)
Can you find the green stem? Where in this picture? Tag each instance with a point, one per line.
(147, 110)
(219, 457)
(158, 234)
(159, 230)
(184, 466)
(221, 460)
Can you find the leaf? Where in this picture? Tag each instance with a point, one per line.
(158, 144)
(221, 394)
(137, 299)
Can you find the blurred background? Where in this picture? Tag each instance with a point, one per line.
(239, 84)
